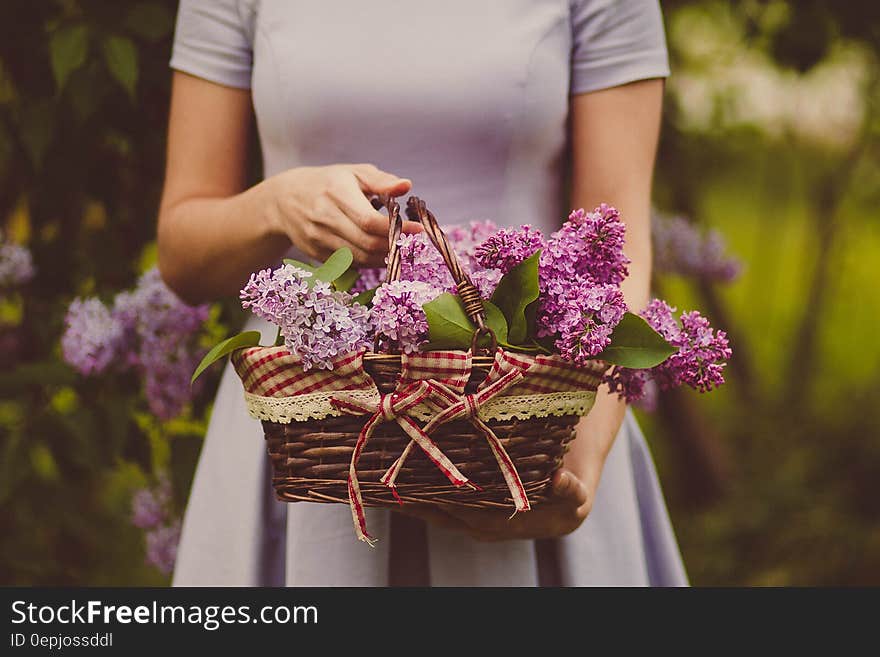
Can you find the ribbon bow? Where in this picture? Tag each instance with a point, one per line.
(468, 407)
(393, 406)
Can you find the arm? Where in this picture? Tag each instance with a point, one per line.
(614, 138)
(213, 232)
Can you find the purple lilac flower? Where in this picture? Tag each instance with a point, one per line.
(164, 331)
(587, 318)
(16, 265)
(317, 323)
(397, 313)
(420, 261)
(628, 383)
(659, 315)
(368, 279)
(586, 252)
(466, 238)
(701, 358)
(150, 506)
(588, 246)
(93, 337)
(508, 247)
(486, 281)
(162, 547)
(681, 248)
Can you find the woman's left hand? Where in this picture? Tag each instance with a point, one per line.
(569, 505)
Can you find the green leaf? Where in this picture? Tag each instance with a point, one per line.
(37, 126)
(335, 266)
(517, 289)
(495, 320)
(149, 20)
(365, 298)
(347, 280)
(636, 345)
(279, 339)
(246, 339)
(449, 327)
(68, 47)
(122, 62)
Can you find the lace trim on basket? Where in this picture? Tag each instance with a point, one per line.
(316, 406)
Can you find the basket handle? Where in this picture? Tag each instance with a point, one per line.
(416, 210)
(395, 227)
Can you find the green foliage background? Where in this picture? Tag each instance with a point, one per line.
(772, 480)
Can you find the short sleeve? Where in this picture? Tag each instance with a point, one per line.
(615, 42)
(213, 40)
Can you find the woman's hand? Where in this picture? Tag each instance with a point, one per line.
(321, 209)
(570, 504)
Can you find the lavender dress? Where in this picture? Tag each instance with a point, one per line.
(469, 99)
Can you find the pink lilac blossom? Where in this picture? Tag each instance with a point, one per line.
(161, 547)
(16, 265)
(699, 362)
(93, 337)
(317, 323)
(508, 247)
(587, 318)
(681, 248)
(397, 313)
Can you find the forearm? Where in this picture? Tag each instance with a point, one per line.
(209, 246)
(596, 431)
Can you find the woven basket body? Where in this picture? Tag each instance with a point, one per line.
(310, 460)
(311, 453)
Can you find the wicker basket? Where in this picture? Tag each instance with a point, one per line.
(315, 457)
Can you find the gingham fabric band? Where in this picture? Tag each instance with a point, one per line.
(274, 372)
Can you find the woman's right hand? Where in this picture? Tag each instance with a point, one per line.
(321, 209)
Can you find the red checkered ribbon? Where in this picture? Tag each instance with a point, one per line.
(393, 406)
(507, 371)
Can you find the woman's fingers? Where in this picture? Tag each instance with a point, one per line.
(569, 489)
(375, 181)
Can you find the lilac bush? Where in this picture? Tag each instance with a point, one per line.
(163, 331)
(93, 336)
(151, 510)
(681, 248)
(16, 265)
(149, 506)
(148, 330)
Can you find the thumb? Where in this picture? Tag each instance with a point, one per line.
(375, 181)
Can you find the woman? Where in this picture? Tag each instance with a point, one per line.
(483, 109)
